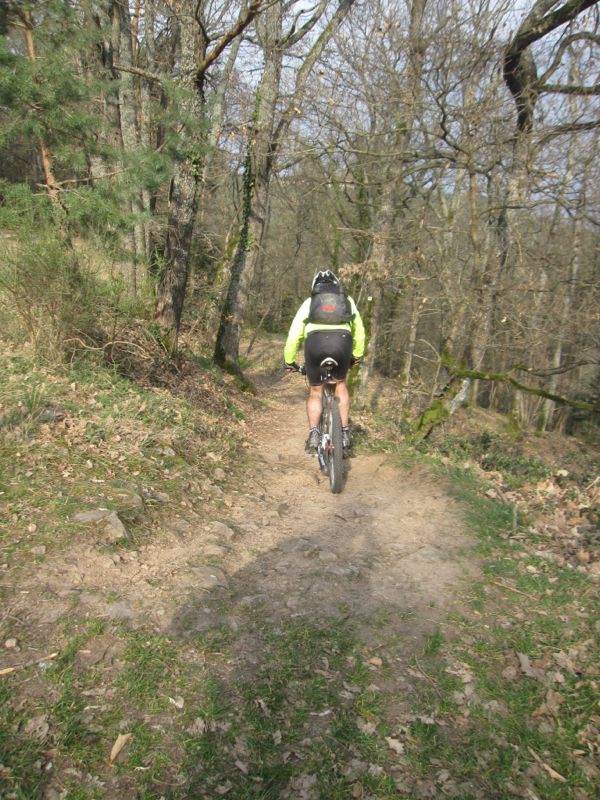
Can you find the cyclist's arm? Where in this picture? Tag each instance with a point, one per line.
(358, 332)
(296, 333)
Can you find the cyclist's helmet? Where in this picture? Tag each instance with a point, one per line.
(324, 276)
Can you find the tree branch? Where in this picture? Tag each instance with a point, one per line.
(243, 21)
(586, 36)
(294, 35)
(560, 88)
(507, 377)
(149, 76)
(304, 72)
(561, 130)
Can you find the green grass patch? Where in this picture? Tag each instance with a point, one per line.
(531, 730)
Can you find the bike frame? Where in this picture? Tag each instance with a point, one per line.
(330, 449)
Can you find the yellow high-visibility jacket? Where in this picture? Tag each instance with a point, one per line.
(299, 330)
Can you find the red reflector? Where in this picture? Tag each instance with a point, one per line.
(328, 308)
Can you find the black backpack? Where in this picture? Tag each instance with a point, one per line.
(329, 306)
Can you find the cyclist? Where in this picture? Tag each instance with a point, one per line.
(330, 326)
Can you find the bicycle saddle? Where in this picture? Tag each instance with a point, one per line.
(329, 362)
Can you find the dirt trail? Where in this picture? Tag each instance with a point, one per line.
(281, 542)
(390, 539)
(248, 562)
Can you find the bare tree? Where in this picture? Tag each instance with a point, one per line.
(265, 137)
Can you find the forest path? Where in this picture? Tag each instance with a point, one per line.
(296, 616)
(392, 541)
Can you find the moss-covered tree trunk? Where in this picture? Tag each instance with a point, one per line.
(258, 170)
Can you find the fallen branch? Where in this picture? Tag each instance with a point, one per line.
(512, 589)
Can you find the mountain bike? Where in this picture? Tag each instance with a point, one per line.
(330, 451)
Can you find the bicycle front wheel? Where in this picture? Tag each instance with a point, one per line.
(335, 461)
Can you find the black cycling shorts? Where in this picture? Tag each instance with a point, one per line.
(321, 344)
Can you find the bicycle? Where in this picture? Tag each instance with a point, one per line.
(330, 451)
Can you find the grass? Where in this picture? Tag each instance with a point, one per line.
(291, 704)
(506, 740)
(115, 433)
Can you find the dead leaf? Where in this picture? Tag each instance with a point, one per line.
(551, 706)
(565, 661)
(242, 767)
(376, 662)
(365, 727)
(527, 669)
(121, 742)
(197, 728)
(263, 707)
(395, 745)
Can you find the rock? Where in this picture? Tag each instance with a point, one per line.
(114, 529)
(594, 570)
(11, 644)
(38, 551)
(249, 527)
(214, 550)
(222, 530)
(153, 496)
(208, 577)
(125, 497)
(326, 556)
(220, 474)
(92, 516)
(120, 610)
(168, 451)
(342, 572)
(181, 527)
(51, 613)
(52, 414)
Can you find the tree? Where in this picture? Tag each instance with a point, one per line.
(196, 56)
(264, 141)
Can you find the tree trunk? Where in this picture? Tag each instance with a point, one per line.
(128, 128)
(193, 64)
(183, 202)
(382, 237)
(567, 305)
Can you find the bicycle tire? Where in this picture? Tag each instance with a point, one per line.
(335, 462)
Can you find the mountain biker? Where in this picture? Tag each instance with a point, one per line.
(341, 336)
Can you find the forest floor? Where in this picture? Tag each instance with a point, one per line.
(202, 618)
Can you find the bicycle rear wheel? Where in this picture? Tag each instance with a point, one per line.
(335, 461)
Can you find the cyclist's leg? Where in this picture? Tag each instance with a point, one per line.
(314, 402)
(341, 392)
(314, 405)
